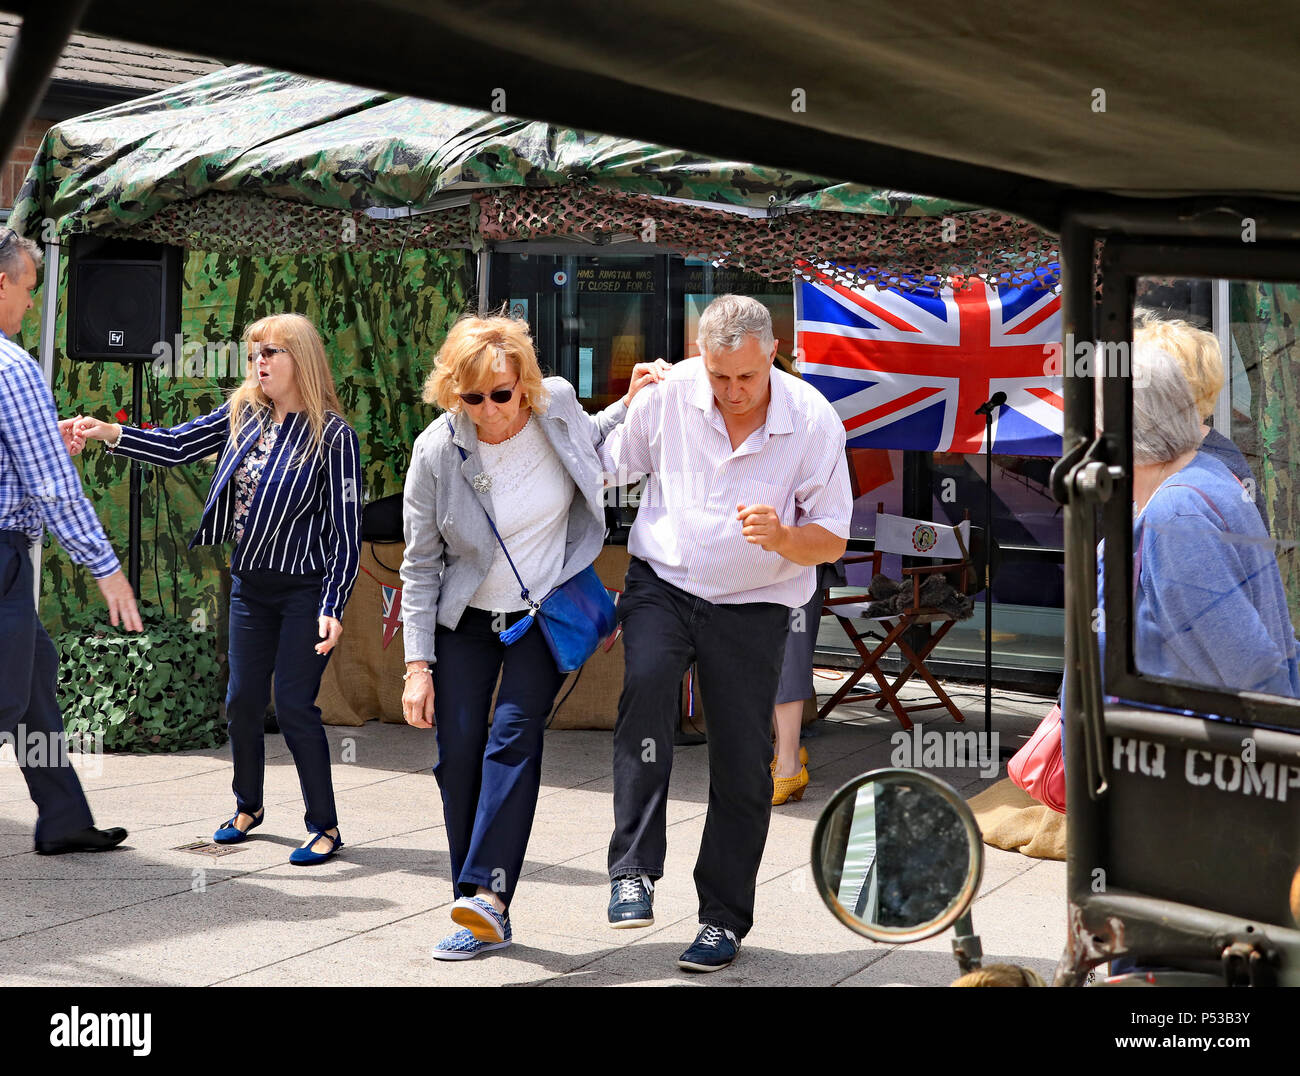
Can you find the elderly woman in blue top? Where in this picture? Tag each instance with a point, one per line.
(287, 493)
(1209, 605)
(530, 460)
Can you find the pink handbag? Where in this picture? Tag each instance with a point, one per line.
(1038, 767)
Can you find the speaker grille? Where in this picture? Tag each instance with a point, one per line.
(123, 299)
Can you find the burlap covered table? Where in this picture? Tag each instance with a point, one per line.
(363, 680)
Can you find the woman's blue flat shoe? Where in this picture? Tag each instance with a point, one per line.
(305, 857)
(230, 834)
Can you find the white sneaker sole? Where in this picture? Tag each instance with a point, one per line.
(624, 924)
(446, 954)
(686, 965)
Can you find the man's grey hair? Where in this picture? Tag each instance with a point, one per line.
(729, 319)
(1165, 420)
(10, 262)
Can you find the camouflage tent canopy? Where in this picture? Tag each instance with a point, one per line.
(249, 161)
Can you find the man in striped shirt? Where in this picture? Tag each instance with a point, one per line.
(39, 487)
(748, 491)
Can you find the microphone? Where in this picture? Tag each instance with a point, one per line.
(995, 401)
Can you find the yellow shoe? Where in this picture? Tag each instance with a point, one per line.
(789, 788)
(803, 758)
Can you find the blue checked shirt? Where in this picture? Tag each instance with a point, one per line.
(39, 487)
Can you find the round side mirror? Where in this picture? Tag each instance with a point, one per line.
(897, 855)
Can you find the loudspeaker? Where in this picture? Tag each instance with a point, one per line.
(124, 296)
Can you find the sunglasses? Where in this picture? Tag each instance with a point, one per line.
(269, 352)
(497, 396)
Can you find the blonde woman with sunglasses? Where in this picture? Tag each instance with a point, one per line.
(287, 494)
(522, 449)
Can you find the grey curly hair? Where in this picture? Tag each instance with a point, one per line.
(1166, 422)
(11, 245)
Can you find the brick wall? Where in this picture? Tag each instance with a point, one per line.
(14, 170)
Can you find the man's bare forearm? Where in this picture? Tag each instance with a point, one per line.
(810, 545)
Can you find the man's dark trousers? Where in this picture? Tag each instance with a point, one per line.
(737, 650)
(29, 708)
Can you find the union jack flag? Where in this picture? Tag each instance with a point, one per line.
(391, 616)
(908, 369)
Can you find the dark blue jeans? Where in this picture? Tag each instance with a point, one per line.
(29, 669)
(490, 777)
(738, 651)
(273, 633)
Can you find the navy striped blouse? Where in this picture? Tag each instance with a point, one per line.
(305, 516)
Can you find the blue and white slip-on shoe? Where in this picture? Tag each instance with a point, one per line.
(714, 948)
(631, 901)
(462, 945)
(479, 916)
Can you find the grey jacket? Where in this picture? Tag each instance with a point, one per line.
(449, 544)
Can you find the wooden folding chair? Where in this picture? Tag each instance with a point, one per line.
(911, 538)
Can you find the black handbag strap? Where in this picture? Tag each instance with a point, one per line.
(523, 590)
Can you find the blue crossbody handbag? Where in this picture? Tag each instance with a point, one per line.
(574, 617)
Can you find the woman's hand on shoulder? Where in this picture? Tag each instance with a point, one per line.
(646, 373)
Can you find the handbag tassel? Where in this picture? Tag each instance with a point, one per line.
(517, 630)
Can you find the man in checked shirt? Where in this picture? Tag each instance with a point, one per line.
(39, 487)
(748, 491)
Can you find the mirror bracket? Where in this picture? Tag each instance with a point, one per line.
(966, 946)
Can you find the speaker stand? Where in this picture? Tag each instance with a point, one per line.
(137, 472)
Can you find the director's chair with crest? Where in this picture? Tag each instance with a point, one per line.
(910, 538)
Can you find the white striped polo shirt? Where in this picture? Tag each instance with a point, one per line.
(686, 527)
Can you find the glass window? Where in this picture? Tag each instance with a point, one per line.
(593, 317)
(1216, 589)
(595, 313)
(703, 283)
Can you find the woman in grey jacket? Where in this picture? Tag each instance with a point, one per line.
(522, 449)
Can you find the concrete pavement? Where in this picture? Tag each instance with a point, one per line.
(149, 914)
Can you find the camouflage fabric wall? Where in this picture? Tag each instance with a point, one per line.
(382, 316)
(1264, 316)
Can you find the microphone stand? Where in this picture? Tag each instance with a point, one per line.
(988, 576)
(987, 409)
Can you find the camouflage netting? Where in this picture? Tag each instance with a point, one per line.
(854, 248)
(256, 226)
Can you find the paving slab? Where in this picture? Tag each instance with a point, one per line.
(150, 914)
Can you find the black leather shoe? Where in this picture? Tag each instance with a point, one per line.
(86, 840)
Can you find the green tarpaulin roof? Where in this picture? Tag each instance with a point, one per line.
(255, 131)
(1020, 107)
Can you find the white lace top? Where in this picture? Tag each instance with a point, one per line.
(530, 494)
